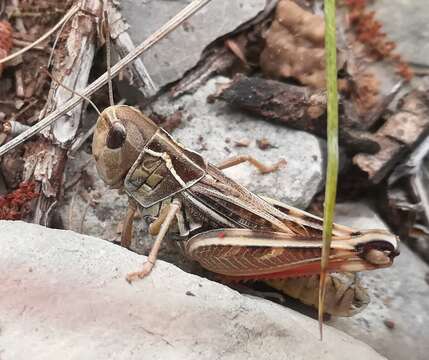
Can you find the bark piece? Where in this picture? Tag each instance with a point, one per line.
(299, 107)
(295, 45)
(408, 197)
(292, 105)
(44, 159)
(399, 135)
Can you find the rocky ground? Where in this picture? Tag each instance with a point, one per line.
(64, 295)
(50, 276)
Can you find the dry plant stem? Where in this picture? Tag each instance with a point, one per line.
(73, 10)
(102, 80)
(332, 137)
(23, 110)
(71, 65)
(22, 43)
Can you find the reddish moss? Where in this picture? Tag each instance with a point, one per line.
(5, 41)
(14, 205)
(369, 32)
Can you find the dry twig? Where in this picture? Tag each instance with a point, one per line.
(73, 10)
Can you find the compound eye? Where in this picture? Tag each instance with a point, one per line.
(116, 136)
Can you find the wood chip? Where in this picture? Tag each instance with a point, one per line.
(241, 143)
(264, 144)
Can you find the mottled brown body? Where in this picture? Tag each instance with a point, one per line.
(344, 295)
(225, 227)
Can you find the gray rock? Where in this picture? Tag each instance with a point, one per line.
(100, 220)
(168, 60)
(63, 296)
(406, 23)
(213, 130)
(399, 298)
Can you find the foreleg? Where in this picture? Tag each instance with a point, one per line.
(127, 225)
(169, 216)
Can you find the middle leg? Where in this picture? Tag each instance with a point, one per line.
(262, 168)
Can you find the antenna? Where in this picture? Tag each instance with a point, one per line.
(106, 29)
(71, 90)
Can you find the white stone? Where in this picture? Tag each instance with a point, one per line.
(63, 296)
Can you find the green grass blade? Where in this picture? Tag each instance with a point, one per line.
(332, 137)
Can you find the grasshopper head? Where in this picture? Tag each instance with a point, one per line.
(373, 249)
(120, 135)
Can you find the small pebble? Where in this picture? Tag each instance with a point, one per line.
(264, 144)
(242, 143)
(390, 324)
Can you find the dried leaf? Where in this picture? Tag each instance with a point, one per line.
(295, 46)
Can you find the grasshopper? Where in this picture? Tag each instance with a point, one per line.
(220, 224)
